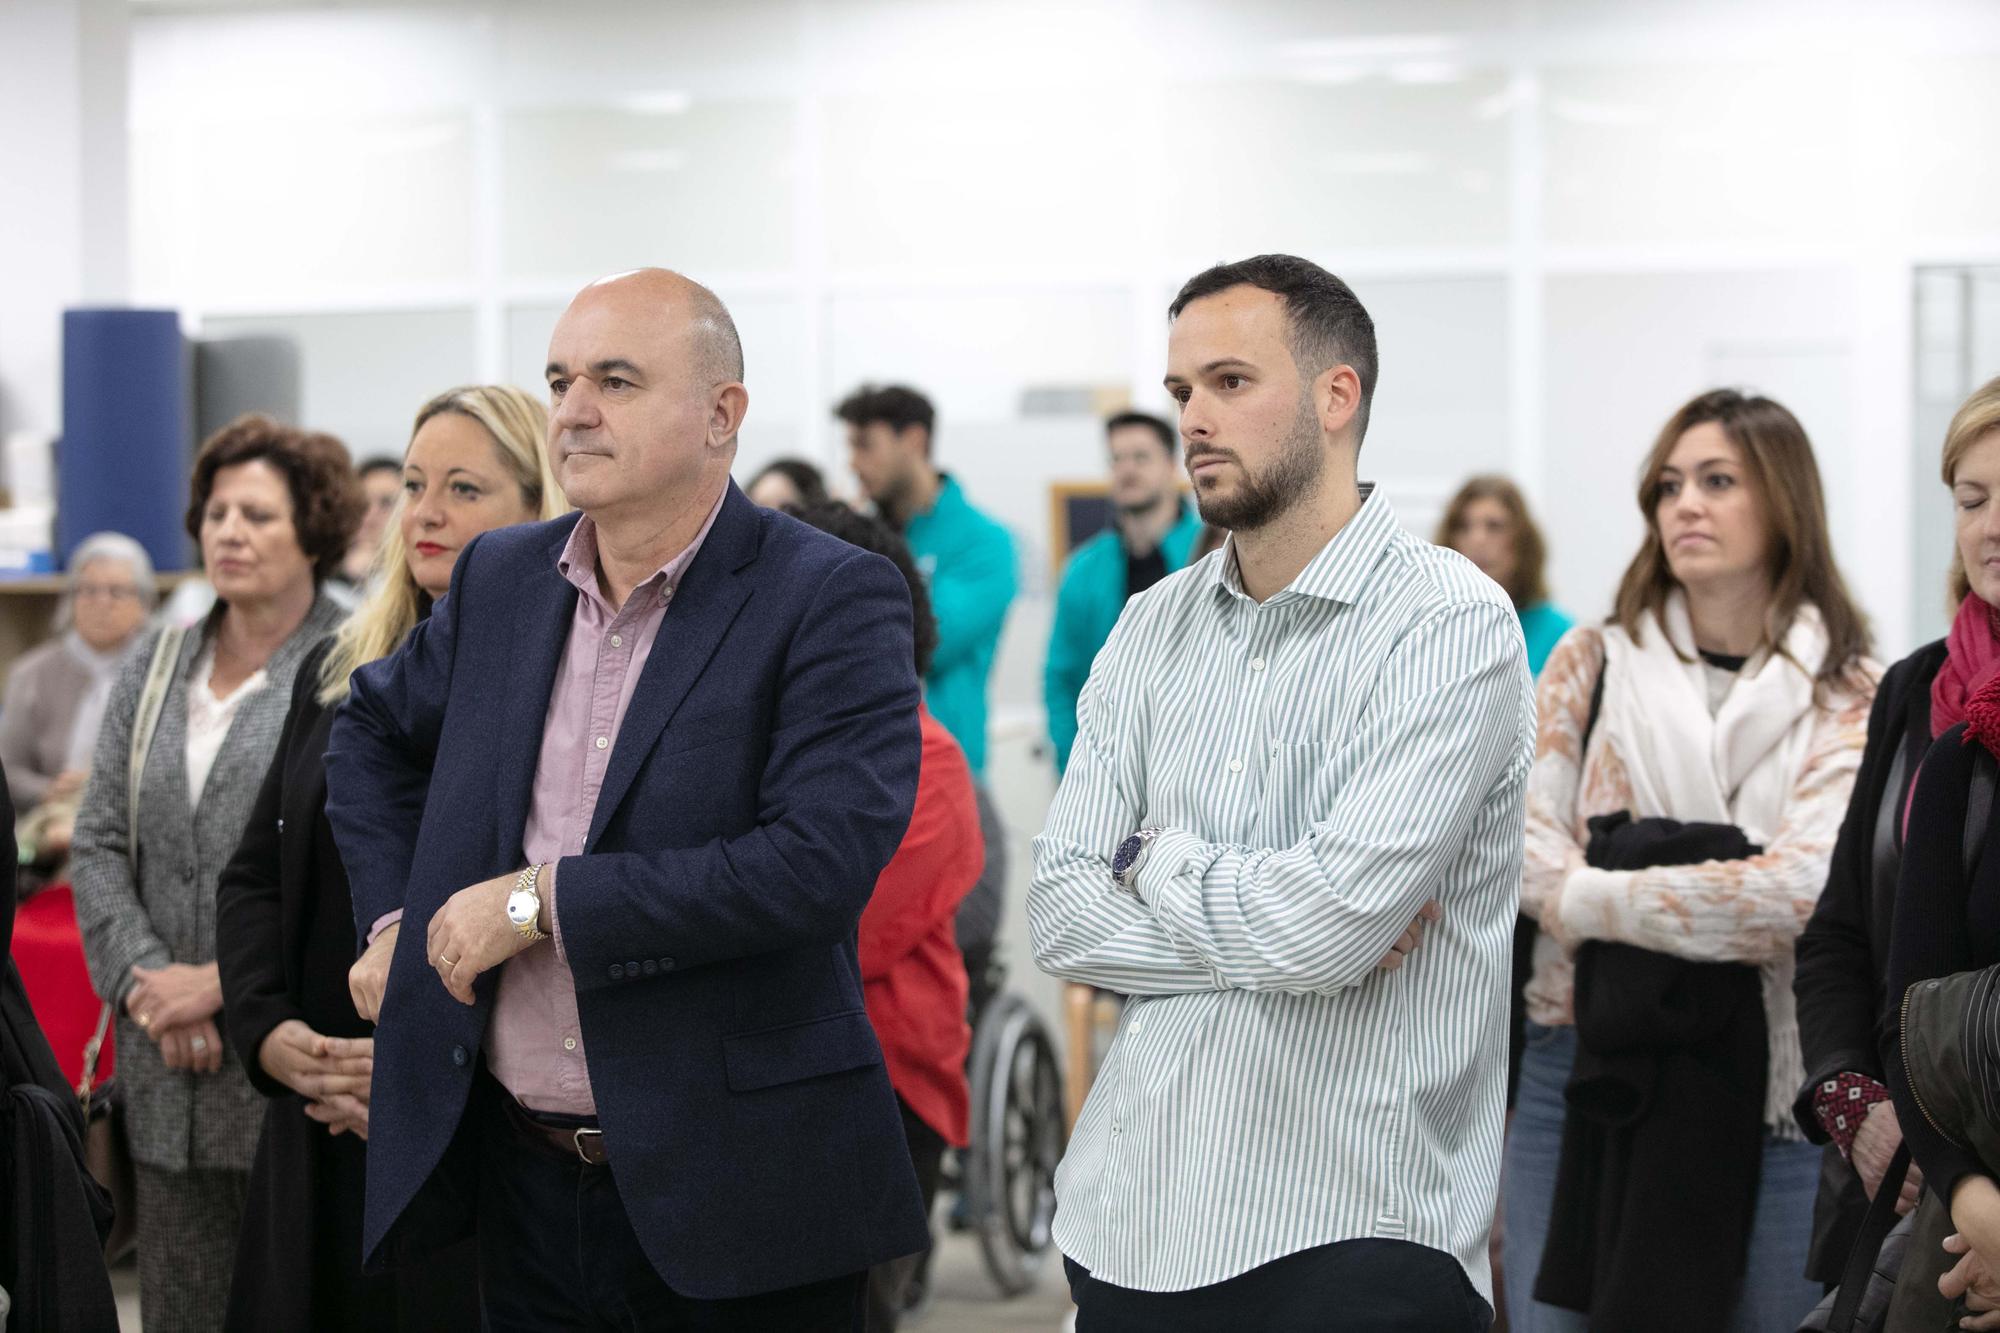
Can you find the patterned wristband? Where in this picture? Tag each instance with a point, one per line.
(1841, 1104)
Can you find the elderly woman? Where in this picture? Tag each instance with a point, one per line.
(477, 460)
(56, 695)
(187, 737)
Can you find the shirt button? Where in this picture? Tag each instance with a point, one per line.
(1256, 664)
(603, 741)
(1236, 766)
(1137, 1027)
(569, 1043)
(618, 641)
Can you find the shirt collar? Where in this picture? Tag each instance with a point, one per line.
(578, 561)
(1339, 572)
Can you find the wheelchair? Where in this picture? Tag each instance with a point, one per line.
(1006, 1181)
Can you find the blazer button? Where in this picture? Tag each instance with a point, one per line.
(649, 967)
(187, 872)
(666, 965)
(618, 971)
(460, 1056)
(632, 971)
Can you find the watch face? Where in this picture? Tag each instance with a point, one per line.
(1128, 852)
(521, 907)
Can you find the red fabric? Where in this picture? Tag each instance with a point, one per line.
(1841, 1104)
(48, 949)
(1971, 660)
(912, 974)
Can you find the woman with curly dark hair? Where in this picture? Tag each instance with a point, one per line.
(186, 739)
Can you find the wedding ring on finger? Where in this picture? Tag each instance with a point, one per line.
(199, 1044)
(448, 962)
(145, 1020)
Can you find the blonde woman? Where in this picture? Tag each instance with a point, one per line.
(477, 460)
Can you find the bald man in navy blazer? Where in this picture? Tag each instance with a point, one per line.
(611, 816)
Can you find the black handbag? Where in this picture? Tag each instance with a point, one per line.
(106, 1152)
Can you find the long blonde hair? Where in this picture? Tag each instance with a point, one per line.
(518, 424)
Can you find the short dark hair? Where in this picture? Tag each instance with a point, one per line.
(326, 495)
(896, 406)
(1326, 322)
(872, 534)
(1150, 422)
(379, 463)
(806, 479)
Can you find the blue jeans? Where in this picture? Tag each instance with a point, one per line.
(1776, 1293)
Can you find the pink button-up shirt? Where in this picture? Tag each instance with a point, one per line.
(534, 1042)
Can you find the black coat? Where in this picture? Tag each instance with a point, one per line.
(284, 942)
(1672, 1059)
(1841, 984)
(53, 1216)
(1947, 922)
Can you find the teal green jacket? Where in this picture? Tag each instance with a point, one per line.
(1542, 625)
(1087, 606)
(968, 561)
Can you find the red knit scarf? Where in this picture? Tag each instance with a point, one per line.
(1972, 659)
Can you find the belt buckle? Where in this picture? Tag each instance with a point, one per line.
(577, 1139)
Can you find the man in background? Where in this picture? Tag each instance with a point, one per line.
(967, 557)
(1153, 529)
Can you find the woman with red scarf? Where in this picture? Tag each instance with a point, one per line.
(912, 974)
(1846, 1006)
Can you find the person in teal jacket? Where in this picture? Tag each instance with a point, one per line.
(1488, 523)
(966, 556)
(1153, 530)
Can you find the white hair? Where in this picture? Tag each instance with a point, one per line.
(108, 546)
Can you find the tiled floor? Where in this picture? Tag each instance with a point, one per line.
(966, 1301)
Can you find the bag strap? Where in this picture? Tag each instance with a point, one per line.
(91, 1048)
(1875, 1228)
(159, 677)
(145, 722)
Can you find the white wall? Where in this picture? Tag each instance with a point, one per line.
(1567, 215)
(62, 188)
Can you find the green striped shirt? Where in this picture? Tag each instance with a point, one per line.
(1321, 765)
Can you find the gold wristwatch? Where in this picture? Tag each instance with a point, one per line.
(524, 906)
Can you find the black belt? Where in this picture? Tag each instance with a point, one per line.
(573, 1142)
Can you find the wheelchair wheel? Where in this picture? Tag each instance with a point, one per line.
(1017, 1139)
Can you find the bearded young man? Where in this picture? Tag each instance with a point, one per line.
(1283, 758)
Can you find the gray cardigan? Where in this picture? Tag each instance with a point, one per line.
(44, 692)
(166, 912)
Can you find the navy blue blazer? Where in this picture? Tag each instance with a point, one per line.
(762, 778)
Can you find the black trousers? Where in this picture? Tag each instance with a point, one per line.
(556, 1251)
(888, 1284)
(1356, 1286)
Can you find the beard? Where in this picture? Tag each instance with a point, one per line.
(1259, 499)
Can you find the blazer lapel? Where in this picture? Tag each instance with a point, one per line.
(710, 594)
(543, 607)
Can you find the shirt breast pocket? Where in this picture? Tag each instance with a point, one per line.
(1298, 782)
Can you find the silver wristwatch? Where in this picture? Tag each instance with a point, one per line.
(524, 906)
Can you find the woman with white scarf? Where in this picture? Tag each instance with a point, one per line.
(1735, 690)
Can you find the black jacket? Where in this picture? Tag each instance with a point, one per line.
(284, 942)
(1946, 922)
(1841, 984)
(1663, 1141)
(55, 1218)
